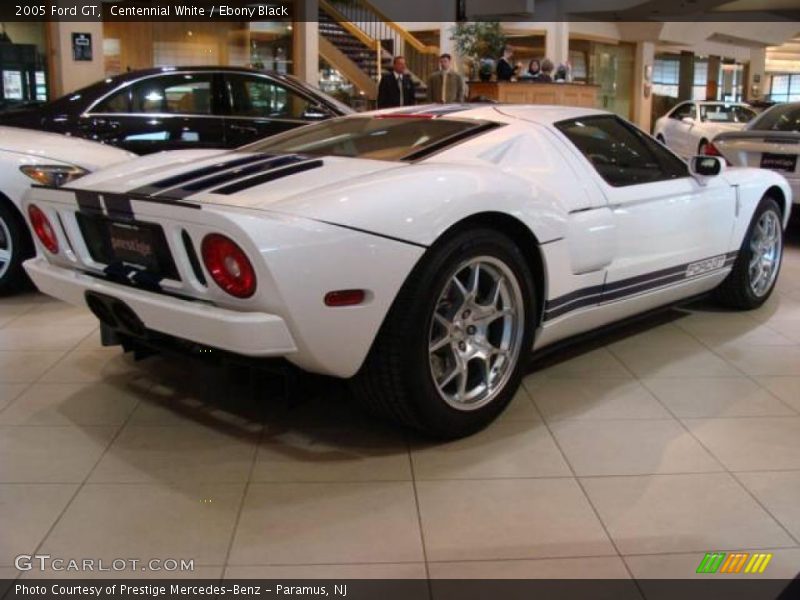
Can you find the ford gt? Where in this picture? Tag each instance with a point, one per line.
(420, 252)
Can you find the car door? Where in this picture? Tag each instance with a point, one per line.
(174, 111)
(678, 130)
(668, 224)
(257, 106)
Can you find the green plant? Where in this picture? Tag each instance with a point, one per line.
(484, 39)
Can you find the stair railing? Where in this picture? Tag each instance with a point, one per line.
(387, 37)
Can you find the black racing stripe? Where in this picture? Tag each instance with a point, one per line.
(89, 202)
(118, 206)
(175, 180)
(206, 183)
(267, 177)
(627, 287)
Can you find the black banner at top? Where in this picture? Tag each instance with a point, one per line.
(400, 10)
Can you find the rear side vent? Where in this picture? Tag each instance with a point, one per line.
(192, 254)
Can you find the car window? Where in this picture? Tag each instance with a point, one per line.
(620, 153)
(684, 110)
(175, 94)
(261, 97)
(118, 102)
(725, 113)
(383, 138)
(783, 117)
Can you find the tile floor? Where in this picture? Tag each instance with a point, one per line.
(630, 456)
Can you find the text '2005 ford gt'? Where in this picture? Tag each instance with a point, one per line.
(421, 252)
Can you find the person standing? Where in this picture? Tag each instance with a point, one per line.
(506, 70)
(445, 85)
(396, 87)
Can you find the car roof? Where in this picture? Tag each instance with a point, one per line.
(139, 73)
(536, 113)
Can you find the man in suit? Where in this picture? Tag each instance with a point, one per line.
(396, 87)
(445, 85)
(506, 70)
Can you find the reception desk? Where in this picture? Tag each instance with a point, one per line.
(524, 92)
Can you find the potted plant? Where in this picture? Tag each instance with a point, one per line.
(479, 43)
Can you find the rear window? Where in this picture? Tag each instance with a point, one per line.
(725, 113)
(784, 117)
(387, 138)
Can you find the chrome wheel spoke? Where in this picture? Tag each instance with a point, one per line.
(476, 333)
(6, 248)
(766, 248)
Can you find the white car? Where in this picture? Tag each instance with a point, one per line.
(28, 157)
(422, 252)
(771, 141)
(690, 126)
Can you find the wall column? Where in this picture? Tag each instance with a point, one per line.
(756, 85)
(642, 88)
(557, 42)
(712, 81)
(686, 76)
(305, 33)
(66, 74)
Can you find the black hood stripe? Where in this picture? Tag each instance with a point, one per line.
(175, 180)
(213, 181)
(250, 182)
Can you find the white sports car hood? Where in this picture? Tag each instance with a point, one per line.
(250, 180)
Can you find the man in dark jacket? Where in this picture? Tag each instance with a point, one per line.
(506, 70)
(396, 87)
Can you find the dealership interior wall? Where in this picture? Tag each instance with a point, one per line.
(642, 68)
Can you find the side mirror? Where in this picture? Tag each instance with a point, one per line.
(316, 113)
(706, 166)
(687, 120)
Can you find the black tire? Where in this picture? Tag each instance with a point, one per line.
(396, 380)
(701, 147)
(660, 138)
(736, 291)
(12, 275)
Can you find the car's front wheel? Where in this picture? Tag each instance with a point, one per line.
(758, 263)
(449, 356)
(15, 247)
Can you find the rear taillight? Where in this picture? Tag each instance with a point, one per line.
(43, 229)
(711, 150)
(228, 265)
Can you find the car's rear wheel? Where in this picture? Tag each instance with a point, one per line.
(660, 138)
(15, 247)
(449, 356)
(755, 272)
(702, 147)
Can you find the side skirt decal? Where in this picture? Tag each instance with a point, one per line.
(632, 286)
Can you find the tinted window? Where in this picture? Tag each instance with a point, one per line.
(622, 154)
(364, 137)
(684, 110)
(725, 113)
(117, 102)
(785, 117)
(252, 96)
(176, 94)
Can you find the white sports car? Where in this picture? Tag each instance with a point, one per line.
(28, 157)
(690, 126)
(422, 252)
(771, 141)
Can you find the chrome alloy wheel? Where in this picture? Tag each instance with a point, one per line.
(476, 333)
(6, 248)
(766, 245)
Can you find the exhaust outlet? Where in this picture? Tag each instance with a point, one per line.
(115, 314)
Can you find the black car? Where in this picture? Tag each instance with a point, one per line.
(175, 108)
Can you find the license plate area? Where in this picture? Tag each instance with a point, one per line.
(137, 244)
(779, 162)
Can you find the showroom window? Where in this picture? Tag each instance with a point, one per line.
(785, 88)
(23, 64)
(620, 153)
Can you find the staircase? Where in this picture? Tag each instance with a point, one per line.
(360, 42)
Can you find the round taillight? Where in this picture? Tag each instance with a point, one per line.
(228, 265)
(43, 229)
